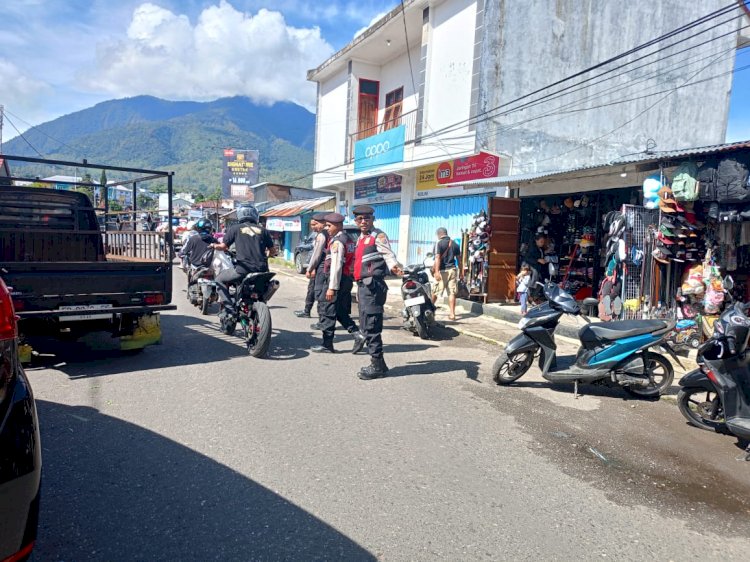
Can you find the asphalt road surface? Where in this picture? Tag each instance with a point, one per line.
(193, 450)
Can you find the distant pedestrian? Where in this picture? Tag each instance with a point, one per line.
(446, 270)
(374, 259)
(317, 225)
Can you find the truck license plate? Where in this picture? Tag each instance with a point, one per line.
(414, 301)
(85, 308)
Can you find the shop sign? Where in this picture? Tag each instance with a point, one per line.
(284, 224)
(239, 171)
(372, 188)
(379, 150)
(478, 166)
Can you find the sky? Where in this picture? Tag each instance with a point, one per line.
(61, 56)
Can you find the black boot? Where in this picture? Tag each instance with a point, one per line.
(323, 348)
(316, 326)
(375, 370)
(359, 341)
(302, 313)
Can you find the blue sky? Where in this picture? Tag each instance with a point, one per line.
(60, 56)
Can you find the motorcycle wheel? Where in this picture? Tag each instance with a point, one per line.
(205, 303)
(423, 330)
(228, 324)
(705, 413)
(661, 372)
(258, 333)
(506, 369)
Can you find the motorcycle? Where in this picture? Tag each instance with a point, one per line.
(201, 290)
(611, 353)
(419, 310)
(716, 395)
(250, 298)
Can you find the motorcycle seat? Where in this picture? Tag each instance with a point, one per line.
(611, 331)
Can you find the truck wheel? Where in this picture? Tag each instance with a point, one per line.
(259, 341)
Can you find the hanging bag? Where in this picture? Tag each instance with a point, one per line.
(684, 183)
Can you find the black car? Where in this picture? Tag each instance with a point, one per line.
(20, 448)
(305, 246)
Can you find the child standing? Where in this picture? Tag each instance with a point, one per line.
(523, 279)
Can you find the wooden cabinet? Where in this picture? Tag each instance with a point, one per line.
(503, 257)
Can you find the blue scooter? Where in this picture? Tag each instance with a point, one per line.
(611, 353)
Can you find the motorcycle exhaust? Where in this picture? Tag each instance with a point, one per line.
(273, 286)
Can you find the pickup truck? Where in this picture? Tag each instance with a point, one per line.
(71, 281)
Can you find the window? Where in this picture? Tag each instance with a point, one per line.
(393, 104)
(367, 111)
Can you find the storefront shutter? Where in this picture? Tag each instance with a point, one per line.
(387, 217)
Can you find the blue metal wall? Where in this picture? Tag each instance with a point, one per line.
(387, 217)
(454, 213)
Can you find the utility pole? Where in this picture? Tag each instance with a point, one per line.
(2, 114)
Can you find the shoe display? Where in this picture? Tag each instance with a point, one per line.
(322, 349)
(302, 313)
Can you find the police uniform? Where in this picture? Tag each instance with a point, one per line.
(315, 265)
(336, 275)
(373, 260)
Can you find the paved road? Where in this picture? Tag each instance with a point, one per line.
(193, 450)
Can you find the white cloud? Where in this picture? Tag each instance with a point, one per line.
(22, 94)
(226, 53)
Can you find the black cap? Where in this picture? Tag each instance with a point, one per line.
(335, 218)
(320, 217)
(363, 210)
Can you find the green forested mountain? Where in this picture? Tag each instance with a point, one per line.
(184, 137)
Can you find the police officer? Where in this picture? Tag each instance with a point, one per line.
(334, 286)
(373, 259)
(317, 225)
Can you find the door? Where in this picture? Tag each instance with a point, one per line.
(387, 219)
(504, 220)
(454, 213)
(367, 109)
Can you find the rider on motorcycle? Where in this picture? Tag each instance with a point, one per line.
(196, 246)
(253, 246)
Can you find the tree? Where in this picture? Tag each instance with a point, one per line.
(86, 186)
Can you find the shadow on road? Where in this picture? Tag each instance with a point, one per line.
(116, 491)
(435, 367)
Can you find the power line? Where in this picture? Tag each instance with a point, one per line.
(39, 130)
(23, 137)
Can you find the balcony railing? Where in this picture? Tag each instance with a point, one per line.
(408, 119)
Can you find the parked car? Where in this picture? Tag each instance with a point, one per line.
(20, 448)
(305, 245)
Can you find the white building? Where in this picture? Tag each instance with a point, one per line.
(407, 114)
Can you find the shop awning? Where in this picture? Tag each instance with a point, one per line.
(294, 208)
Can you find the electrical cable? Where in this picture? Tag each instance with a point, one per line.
(20, 134)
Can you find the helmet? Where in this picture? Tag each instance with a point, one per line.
(204, 225)
(247, 213)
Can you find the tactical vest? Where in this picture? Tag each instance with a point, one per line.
(368, 262)
(349, 249)
(322, 262)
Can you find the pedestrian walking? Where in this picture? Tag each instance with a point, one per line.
(373, 259)
(522, 287)
(334, 289)
(317, 225)
(446, 270)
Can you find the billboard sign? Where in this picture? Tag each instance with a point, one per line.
(284, 224)
(241, 169)
(378, 187)
(379, 150)
(478, 166)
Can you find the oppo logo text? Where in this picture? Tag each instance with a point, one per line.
(377, 149)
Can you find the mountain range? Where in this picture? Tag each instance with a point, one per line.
(185, 137)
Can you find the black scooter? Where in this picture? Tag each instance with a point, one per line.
(611, 353)
(716, 396)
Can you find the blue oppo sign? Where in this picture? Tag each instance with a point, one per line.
(379, 150)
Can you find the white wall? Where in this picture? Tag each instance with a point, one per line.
(331, 122)
(396, 74)
(450, 64)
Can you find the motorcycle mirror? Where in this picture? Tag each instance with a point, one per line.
(728, 283)
(429, 261)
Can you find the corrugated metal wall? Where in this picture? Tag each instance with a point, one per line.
(454, 213)
(387, 216)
